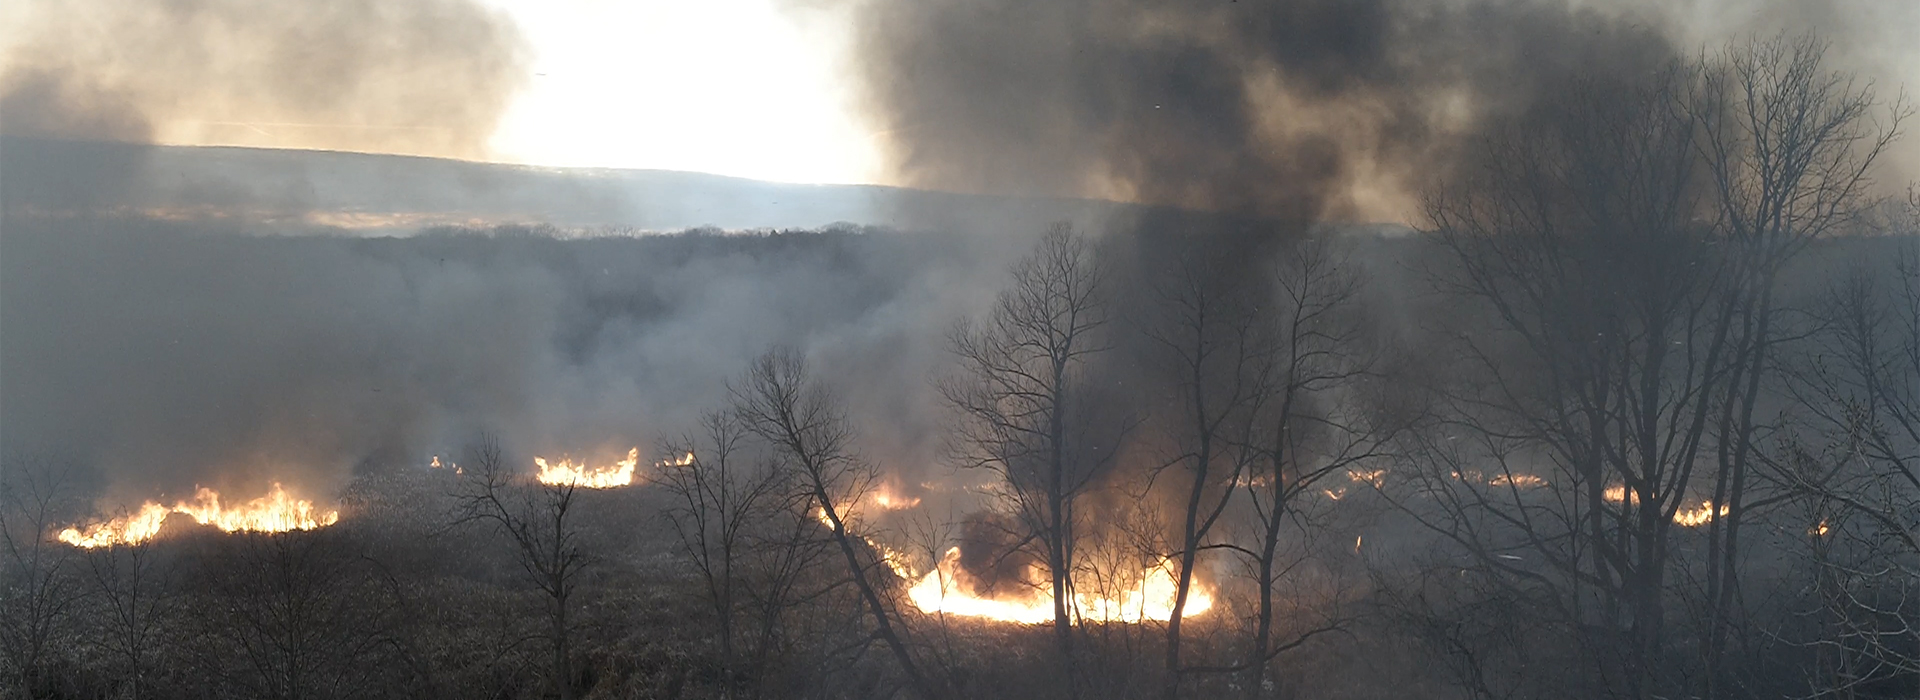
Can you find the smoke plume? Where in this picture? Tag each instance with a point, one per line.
(427, 77)
(1291, 109)
(165, 356)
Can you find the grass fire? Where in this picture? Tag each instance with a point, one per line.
(568, 473)
(953, 349)
(277, 511)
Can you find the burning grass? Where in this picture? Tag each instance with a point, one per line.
(1147, 595)
(277, 511)
(566, 472)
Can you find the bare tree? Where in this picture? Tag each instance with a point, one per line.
(538, 519)
(131, 588)
(1854, 467)
(1022, 412)
(808, 427)
(38, 594)
(1569, 438)
(1215, 354)
(295, 615)
(1790, 146)
(1316, 420)
(747, 531)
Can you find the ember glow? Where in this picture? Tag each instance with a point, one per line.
(569, 473)
(941, 591)
(275, 512)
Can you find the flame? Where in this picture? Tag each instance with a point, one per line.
(1701, 515)
(684, 461)
(901, 564)
(1525, 481)
(275, 512)
(884, 500)
(568, 473)
(1820, 530)
(1685, 517)
(1376, 477)
(1252, 480)
(888, 501)
(1151, 598)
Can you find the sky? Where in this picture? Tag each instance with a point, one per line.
(762, 89)
(749, 88)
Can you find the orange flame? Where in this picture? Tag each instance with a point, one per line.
(896, 560)
(1152, 598)
(569, 473)
(450, 465)
(888, 501)
(1376, 477)
(1525, 481)
(1697, 516)
(1685, 517)
(275, 512)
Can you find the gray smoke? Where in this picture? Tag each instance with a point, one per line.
(168, 356)
(1292, 109)
(427, 77)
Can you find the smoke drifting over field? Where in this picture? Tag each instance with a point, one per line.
(198, 353)
(427, 77)
(168, 357)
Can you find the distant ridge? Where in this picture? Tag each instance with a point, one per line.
(391, 194)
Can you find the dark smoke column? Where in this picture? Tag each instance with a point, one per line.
(1298, 110)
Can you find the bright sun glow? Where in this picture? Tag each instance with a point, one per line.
(749, 88)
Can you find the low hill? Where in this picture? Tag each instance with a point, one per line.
(295, 190)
